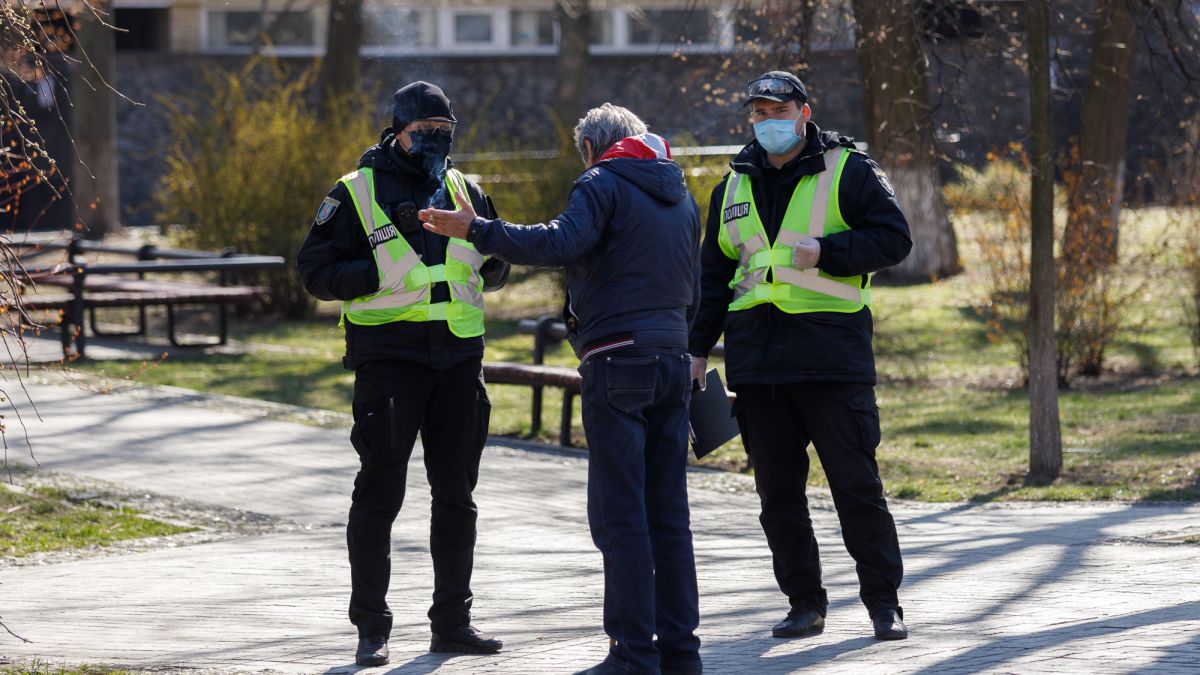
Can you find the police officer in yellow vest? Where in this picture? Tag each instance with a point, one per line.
(412, 307)
(794, 233)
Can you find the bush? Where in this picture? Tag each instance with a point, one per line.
(526, 186)
(251, 161)
(1092, 303)
(998, 186)
(1001, 183)
(534, 189)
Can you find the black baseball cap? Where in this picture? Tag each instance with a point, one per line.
(777, 85)
(419, 101)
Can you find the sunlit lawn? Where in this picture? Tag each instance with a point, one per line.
(43, 668)
(44, 519)
(951, 398)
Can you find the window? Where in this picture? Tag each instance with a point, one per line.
(671, 26)
(473, 28)
(602, 27)
(532, 28)
(830, 28)
(399, 27)
(241, 29)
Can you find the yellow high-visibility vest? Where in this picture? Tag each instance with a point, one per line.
(813, 211)
(404, 281)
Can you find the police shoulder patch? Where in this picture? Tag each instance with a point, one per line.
(328, 208)
(883, 179)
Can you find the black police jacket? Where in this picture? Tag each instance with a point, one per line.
(336, 261)
(765, 345)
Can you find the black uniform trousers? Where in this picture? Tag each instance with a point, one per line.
(841, 420)
(393, 400)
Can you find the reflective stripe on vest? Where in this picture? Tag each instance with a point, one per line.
(404, 280)
(744, 238)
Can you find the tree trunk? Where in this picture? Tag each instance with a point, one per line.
(94, 185)
(900, 132)
(1095, 203)
(1045, 436)
(341, 70)
(574, 24)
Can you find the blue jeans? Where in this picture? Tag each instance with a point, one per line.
(635, 414)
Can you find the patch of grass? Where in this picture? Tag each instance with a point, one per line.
(45, 519)
(43, 668)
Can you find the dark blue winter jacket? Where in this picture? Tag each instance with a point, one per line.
(630, 241)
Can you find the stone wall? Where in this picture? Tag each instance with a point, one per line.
(504, 96)
(980, 101)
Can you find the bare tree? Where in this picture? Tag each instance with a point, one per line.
(1095, 202)
(94, 183)
(900, 131)
(1045, 436)
(341, 70)
(574, 19)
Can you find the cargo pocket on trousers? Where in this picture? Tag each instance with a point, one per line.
(375, 430)
(630, 382)
(483, 417)
(866, 415)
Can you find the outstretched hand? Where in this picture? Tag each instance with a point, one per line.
(448, 223)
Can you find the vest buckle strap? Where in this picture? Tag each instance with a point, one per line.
(389, 300)
(819, 284)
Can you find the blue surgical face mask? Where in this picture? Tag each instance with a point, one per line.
(777, 137)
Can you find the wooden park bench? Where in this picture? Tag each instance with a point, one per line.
(539, 376)
(546, 331)
(94, 286)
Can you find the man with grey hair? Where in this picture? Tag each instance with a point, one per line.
(630, 240)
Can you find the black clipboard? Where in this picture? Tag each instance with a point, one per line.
(711, 417)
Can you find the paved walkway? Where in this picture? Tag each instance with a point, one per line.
(1027, 589)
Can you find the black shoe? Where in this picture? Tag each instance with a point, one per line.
(465, 640)
(800, 622)
(684, 671)
(372, 651)
(889, 624)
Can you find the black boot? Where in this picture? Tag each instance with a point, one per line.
(889, 624)
(465, 640)
(800, 622)
(372, 651)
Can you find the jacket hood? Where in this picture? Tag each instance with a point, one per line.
(753, 159)
(644, 161)
(642, 146)
(659, 178)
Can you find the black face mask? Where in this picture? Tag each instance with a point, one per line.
(431, 148)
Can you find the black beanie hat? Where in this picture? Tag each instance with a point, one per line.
(418, 101)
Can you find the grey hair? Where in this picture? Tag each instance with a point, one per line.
(604, 126)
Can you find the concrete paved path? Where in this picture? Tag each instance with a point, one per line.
(1029, 589)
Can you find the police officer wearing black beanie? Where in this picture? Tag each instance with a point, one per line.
(413, 312)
